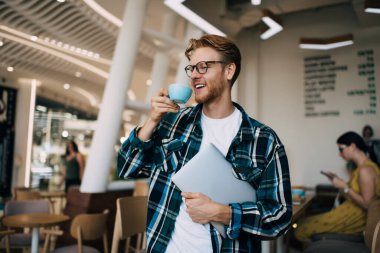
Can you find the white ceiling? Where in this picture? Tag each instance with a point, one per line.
(74, 24)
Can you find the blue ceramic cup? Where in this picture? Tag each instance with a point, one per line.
(179, 93)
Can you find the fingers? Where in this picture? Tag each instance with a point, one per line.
(161, 104)
(191, 195)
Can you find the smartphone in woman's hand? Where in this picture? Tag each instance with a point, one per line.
(328, 174)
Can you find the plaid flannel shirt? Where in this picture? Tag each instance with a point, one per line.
(257, 156)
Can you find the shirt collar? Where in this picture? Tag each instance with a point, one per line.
(246, 131)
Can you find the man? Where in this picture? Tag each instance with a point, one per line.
(180, 222)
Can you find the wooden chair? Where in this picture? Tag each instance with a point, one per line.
(27, 195)
(84, 227)
(22, 239)
(141, 188)
(5, 234)
(130, 220)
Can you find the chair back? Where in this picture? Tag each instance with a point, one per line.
(27, 195)
(14, 207)
(133, 212)
(130, 220)
(373, 218)
(141, 188)
(90, 227)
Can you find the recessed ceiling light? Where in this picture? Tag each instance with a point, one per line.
(65, 134)
(327, 43)
(1, 43)
(255, 2)
(34, 38)
(78, 74)
(61, 1)
(66, 86)
(372, 6)
(10, 69)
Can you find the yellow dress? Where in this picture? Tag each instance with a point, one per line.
(346, 218)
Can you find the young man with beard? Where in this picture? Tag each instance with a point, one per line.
(180, 221)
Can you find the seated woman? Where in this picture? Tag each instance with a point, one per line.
(362, 188)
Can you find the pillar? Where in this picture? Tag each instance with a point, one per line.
(26, 99)
(110, 115)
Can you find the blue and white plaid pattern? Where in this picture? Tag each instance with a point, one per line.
(257, 156)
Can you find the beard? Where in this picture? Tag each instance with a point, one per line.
(213, 92)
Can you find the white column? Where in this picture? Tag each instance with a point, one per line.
(110, 115)
(161, 62)
(26, 99)
(191, 32)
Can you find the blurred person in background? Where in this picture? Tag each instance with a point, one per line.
(74, 165)
(372, 143)
(361, 189)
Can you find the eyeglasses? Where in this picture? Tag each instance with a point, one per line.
(201, 67)
(341, 148)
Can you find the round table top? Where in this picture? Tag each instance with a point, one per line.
(34, 220)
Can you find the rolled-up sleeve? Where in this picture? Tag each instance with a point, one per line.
(271, 215)
(135, 157)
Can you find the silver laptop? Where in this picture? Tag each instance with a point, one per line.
(208, 172)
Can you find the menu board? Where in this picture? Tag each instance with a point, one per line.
(7, 135)
(333, 84)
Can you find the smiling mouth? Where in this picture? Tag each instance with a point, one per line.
(199, 86)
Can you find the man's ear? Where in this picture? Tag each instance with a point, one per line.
(230, 70)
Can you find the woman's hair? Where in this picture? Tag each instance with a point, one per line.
(226, 47)
(74, 145)
(352, 137)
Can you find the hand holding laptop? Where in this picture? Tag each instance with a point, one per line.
(209, 173)
(203, 210)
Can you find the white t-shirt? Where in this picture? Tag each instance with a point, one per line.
(188, 236)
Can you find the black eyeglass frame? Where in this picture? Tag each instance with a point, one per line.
(341, 148)
(196, 66)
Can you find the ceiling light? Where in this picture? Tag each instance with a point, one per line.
(192, 17)
(327, 43)
(78, 74)
(372, 6)
(34, 38)
(61, 1)
(66, 86)
(148, 82)
(1, 43)
(41, 108)
(10, 69)
(256, 2)
(273, 23)
(103, 12)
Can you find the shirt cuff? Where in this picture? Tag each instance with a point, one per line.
(233, 230)
(136, 142)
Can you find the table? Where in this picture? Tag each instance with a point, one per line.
(298, 211)
(34, 221)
